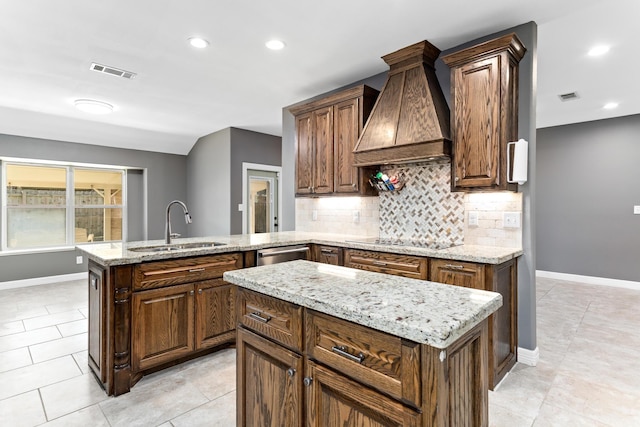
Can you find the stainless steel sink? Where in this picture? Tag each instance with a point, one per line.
(177, 247)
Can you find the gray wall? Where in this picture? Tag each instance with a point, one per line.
(208, 175)
(526, 126)
(588, 182)
(166, 175)
(249, 147)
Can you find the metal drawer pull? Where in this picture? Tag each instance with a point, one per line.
(307, 381)
(326, 251)
(454, 267)
(342, 351)
(256, 315)
(291, 372)
(382, 263)
(195, 270)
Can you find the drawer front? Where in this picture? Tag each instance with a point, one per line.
(385, 362)
(466, 274)
(399, 265)
(328, 255)
(273, 318)
(158, 274)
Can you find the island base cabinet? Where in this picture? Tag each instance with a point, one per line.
(334, 400)
(215, 313)
(269, 381)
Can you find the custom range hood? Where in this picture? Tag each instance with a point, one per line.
(410, 120)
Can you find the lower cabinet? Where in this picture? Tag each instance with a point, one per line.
(327, 254)
(503, 324)
(411, 266)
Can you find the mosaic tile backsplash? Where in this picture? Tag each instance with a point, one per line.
(424, 209)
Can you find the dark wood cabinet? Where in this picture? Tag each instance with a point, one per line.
(215, 315)
(382, 262)
(484, 118)
(327, 131)
(503, 324)
(328, 254)
(97, 321)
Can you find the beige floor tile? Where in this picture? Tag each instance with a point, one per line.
(151, 403)
(20, 313)
(74, 328)
(215, 378)
(551, 416)
(32, 377)
(501, 417)
(23, 410)
(61, 347)
(52, 319)
(524, 392)
(220, 412)
(13, 359)
(24, 339)
(11, 328)
(82, 359)
(91, 416)
(71, 395)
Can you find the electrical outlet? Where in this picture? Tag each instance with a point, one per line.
(314, 215)
(511, 220)
(240, 207)
(473, 218)
(356, 217)
(79, 259)
(636, 210)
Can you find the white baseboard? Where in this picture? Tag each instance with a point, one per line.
(12, 284)
(528, 357)
(589, 280)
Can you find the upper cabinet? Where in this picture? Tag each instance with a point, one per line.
(327, 131)
(484, 118)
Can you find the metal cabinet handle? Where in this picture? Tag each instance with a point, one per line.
(380, 263)
(195, 270)
(454, 267)
(327, 251)
(291, 372)
(200, 291)
(307, 381)
(342, 351)
(191, 293)
(256, 315)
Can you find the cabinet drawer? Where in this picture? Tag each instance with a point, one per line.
(399, 265)
(157, 274)
(467, 274)
(273, 318)
(328, 254)
(385, 362)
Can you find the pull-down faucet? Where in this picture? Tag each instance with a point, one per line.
(187, 219)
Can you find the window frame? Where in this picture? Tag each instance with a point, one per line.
(70, 202)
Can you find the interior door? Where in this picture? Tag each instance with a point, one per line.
(262, 201)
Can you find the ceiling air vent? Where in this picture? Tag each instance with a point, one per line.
(568, 96)
(112, 71)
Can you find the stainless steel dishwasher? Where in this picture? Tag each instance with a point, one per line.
(282, 254)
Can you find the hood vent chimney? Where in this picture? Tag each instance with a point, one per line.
(410, 120)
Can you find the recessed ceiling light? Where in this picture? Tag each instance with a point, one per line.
(610, 105)
(598, 50)
(198, 42)
(92, 106)
(275, 44)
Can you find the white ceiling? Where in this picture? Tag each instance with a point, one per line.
(181, 93)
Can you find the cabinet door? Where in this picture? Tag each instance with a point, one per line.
(322, 120)
(97, 350)
(304, 154)
(334, 400)
(345, 136)
(328, 255)
(467, 274)
(504, 322)
(269, 383)
(477, 123)
(162, 325)
(215, 313)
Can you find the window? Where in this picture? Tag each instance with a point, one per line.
(61, 205)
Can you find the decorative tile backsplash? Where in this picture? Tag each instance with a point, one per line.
(424, 209)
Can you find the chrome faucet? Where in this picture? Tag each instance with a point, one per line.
(187, 219)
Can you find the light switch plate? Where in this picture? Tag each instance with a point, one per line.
(473, 218)
(511, 220)
(240, 207)
(636, 210)
(356, 217)
(314, 215)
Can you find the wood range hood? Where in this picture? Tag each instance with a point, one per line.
(410, 120)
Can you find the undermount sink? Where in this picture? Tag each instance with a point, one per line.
(177, 247)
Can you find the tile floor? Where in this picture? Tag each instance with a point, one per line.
(588, 374)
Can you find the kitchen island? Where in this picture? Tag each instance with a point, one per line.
(332, 345)
(151, 309)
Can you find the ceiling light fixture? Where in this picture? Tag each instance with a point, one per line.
(275, 44)
(92, 106)
(610, 105)
(598, 50)
(198, 42)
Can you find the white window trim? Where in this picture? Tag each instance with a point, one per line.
(70, 205)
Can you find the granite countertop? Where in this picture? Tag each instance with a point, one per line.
(119, 254)
(425, 312)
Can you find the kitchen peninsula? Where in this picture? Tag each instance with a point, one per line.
(134, 291)
(339, 344)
